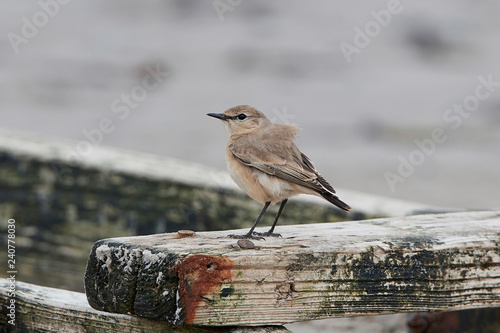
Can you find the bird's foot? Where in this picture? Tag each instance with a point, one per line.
(246, 236)
(267, 233)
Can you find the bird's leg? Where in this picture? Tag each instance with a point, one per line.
(250, 233)
(270, 232)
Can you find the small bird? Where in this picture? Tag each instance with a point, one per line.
(265, 163)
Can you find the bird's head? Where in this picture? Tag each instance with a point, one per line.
(242, 119)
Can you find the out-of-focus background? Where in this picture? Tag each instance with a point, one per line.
(360, 109)
(395, 98)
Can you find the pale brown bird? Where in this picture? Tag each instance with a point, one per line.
(265, 163)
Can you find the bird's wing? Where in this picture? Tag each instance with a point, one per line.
(282, 159)
(308, 164)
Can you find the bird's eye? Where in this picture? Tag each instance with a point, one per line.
(242, 116)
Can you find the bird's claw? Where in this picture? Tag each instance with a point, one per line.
(267, 234)
(246, 236)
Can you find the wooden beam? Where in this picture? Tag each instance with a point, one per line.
(438, 262)
(43, 309)
(66, 202)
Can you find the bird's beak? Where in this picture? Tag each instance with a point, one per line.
(220, 116)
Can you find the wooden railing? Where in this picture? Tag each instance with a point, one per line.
(441, 262)
(422, 263)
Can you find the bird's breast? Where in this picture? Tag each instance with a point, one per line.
(274, 186)
(257, 184)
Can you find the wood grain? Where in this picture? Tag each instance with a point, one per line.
(435, 262)
(43, 309)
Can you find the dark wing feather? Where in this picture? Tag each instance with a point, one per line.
(285, 162)
(308, 165)
(283, 159)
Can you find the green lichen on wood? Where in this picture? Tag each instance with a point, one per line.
(156, 282)
(65, 208)
(397, 280)
(116, 268)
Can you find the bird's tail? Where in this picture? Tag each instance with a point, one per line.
(332, 198)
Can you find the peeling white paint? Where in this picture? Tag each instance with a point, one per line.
(150, 258)
(179, 307)
(159, 278)
(103, 253)
(127, 258)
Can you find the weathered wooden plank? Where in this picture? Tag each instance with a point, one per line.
(435, 262)
(43, 309)
(65, 201)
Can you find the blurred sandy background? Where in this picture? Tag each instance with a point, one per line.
(284, 58)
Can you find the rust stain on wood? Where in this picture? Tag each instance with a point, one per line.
(201, 276)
